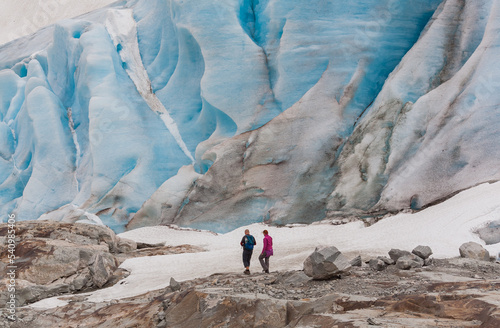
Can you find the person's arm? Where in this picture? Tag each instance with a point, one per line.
(242, 242)
(265, 245)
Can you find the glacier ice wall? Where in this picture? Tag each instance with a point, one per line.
(220, 113)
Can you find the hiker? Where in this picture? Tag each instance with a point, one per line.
(267, 251)
(248, 242)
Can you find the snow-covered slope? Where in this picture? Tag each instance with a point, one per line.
(217, 114)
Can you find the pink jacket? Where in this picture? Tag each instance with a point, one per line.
(268, 245)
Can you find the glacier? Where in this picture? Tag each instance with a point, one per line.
(218, 114)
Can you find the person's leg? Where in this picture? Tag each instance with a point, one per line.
(261, 260)
(249, 258)
(247, 255)
(267, 264)
(246, 260)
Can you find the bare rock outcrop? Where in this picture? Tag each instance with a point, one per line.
(53, 258)
(443, 295)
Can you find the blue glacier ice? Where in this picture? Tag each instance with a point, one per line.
(220, 113)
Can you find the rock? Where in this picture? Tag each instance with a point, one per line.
(422, 251)
(101, 268)
(372, 322)
(118, 275)
(356, 262)
(126, 245)
(474, 251)
(377, 264)
(42, 261)
(325, 263)
(386, 260)
(77, 233)
(394, 300)
(54, 258)
(395, 254)
(409, 262)
(154, 251)
(141, 245)
(174, 285)
(196, 309)
(428, 261)
(491, 233)
(297, 278)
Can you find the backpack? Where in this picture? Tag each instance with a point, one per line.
(249, 242)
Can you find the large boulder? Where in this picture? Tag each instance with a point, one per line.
(395, 254)
(55, 258)
(409, 262)
(42, 261)
(101, 268)
(474, 251)
(293, 279)
(422, 251)
(377, 264)
(490, 234)
(325, 263)
(386, 260)
(125, 245)
(77, 233)
(356, 262)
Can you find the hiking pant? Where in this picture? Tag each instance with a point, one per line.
(247, 255)
(264, 261)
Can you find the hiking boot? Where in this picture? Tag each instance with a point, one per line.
(266, 271)
(246, 272)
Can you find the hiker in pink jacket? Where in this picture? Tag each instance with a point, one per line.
(267, 251)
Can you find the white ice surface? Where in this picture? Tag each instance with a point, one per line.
(443, 227)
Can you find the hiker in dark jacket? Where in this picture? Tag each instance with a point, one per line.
(247, 242)
(267, 251)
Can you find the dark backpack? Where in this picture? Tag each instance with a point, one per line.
(249, 242)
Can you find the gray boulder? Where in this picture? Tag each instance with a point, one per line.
(377, 264)
(325, 263)
(356, 262)
(141, 245)
(174, 285)
(101, 268)
(491, 233)
(386, 260)
(409, 262)
(395, 254)
(422, 251)
(294, 278)
(125, 245)
(474, 251)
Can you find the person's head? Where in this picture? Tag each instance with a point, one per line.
(247, 232)
(265, 232)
